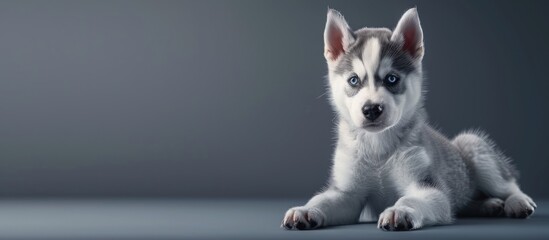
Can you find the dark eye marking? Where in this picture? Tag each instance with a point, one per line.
(354, 81)
(391, 79)
(392, 82)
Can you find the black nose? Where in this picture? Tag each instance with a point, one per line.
(372, 111)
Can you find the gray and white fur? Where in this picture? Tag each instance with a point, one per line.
(389, 165)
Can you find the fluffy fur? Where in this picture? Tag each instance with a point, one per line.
(389, 165)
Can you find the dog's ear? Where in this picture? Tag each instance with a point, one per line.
(337, 36)
(408, 32)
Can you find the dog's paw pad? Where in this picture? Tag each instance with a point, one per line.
(519, 206)
(398, 219)
(302, 218)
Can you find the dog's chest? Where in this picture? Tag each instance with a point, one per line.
(371, 177)
(381, 192)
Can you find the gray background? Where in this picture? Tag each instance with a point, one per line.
(224, 98)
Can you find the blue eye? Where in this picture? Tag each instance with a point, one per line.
(353, 81)
(391, 79)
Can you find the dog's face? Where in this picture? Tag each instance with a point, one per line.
(375, 75)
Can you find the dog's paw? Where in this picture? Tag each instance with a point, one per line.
(303, 218)
(493, 207)
(399, 218)
(519, 206)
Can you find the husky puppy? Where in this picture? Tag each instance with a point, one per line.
(389, 165)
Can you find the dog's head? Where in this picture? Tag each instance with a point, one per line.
(375, 75)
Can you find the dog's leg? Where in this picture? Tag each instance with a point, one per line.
(489, 207)
(493, 174)
(420, 206)
(339, 204)
(331, 207)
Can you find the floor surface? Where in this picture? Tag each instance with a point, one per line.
(221, 219)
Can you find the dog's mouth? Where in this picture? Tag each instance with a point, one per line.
(374, 126)
(371, 124)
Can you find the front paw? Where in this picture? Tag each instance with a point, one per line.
(399, 218)
(303, 218)
(519, 206)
